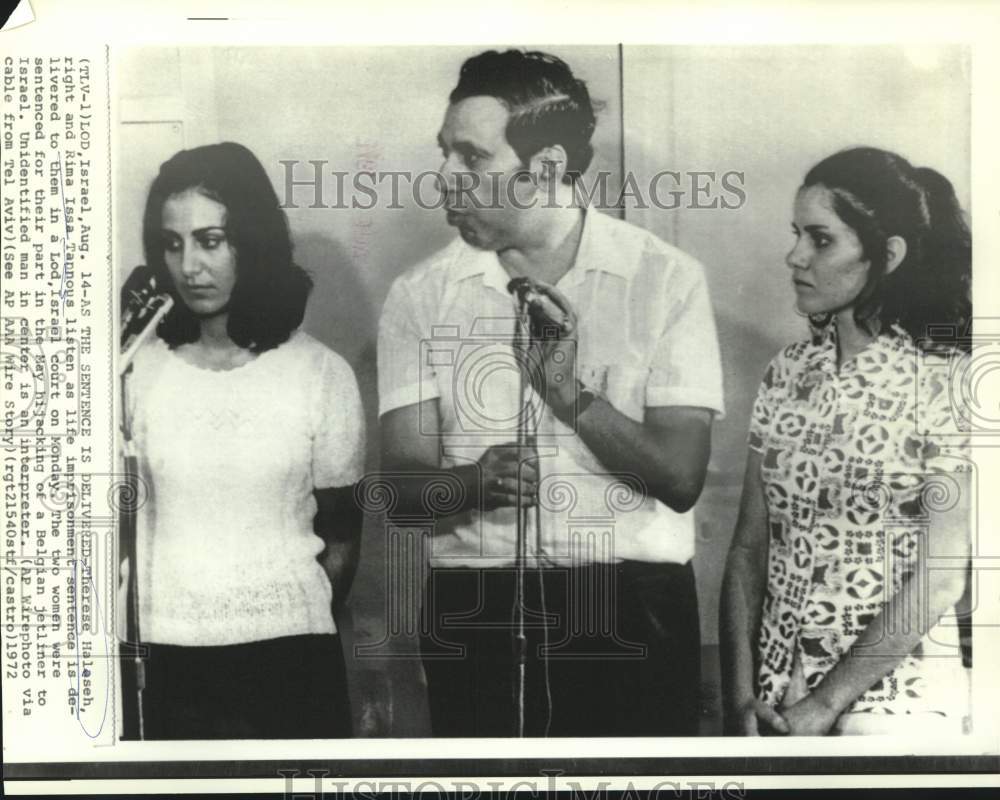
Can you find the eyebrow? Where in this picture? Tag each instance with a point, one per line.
(816, 227)
(462, 146)
(197, 231)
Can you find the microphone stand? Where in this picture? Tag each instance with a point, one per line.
(133, 669)
(146, 314)
(524, 341)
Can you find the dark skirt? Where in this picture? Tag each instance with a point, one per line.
(293, 687)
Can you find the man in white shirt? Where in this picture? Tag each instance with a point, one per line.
(621, 412)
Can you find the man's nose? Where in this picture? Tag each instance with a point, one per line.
(446, 175)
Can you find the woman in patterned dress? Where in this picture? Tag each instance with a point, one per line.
(853, 534)
(250, 436)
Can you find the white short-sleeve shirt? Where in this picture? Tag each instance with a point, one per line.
(646, 337)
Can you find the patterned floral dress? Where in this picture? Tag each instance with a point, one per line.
(853, 461)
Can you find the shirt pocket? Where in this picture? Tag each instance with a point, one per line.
(622, 385)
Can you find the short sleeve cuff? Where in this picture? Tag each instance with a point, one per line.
(686, 396)
(347, 476)
(407, 396)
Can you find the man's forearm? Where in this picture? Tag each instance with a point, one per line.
(426, 492)
(340, 561)
(671, 464)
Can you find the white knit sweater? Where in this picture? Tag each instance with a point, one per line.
(227, 552)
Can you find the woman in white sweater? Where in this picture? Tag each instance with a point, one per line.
(250, 436)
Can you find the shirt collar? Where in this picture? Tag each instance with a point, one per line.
(601, 249)
(824, 341)
(482, 263)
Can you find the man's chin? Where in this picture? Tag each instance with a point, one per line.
(471, 238)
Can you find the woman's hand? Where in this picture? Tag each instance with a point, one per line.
(756, 718)
(809, 717)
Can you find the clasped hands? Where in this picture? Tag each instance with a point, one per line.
(806, 717)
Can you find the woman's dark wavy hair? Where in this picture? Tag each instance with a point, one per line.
(269, 299)
(879, 194)
(547, 104)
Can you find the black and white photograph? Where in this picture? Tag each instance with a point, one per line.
(613, 410)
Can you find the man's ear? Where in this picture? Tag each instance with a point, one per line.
(549, 164)
(895, 252)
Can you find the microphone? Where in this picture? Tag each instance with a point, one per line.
(143, 304)
(548, 319)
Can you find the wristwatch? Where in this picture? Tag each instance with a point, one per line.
(584, 397)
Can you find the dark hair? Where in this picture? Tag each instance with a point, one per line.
(547, 105)
(880, 194)
(269, 299)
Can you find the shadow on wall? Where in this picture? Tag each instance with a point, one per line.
(340, 312)
(386, 686)
(745, 355)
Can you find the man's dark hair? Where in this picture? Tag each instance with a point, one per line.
(269, 299)
(547, 105)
